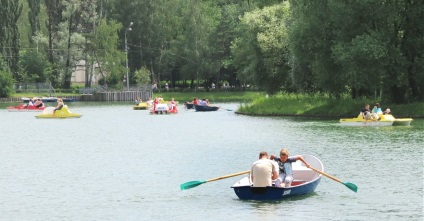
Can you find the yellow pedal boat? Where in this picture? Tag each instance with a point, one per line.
(62, 113)
(385, 120)
(141, 106)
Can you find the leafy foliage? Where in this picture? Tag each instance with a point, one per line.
(6, 80)
(261, 50)
(363, 48)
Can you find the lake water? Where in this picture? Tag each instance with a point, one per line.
(118, 164)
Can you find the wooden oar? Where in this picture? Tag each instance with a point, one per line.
(192, 184)
(225, 109)
(351, 186)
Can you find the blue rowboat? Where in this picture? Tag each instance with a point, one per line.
(305, 182)
(205, 108)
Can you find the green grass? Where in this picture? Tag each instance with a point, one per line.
(322, 105)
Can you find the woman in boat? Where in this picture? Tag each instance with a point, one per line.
(195, 101)
(59, 106)
(30, 103)
(155, 102)
(285, 177)
(376, 111)
(172, 104)
(149, 102)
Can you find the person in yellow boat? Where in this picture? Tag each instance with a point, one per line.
(263, 171)
(59, 106)
(366, 113)
(285, 176)
(376, 111)
(387, 111)
(138, 101)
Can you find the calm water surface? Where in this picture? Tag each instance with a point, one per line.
(118, 164)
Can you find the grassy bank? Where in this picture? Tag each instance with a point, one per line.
(256, 103)
(323, 105)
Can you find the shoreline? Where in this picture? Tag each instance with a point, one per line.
(310, 116)
(319, 116)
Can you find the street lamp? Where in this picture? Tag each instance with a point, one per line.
(126, 53)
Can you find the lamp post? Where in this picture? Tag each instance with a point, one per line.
(126, 53)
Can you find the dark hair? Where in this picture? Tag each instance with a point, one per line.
(262, 154)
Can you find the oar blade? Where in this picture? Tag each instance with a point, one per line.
(191, 184)
(351, 186)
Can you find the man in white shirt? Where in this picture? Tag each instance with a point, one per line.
(263, 171)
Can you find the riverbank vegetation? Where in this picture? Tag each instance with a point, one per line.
(357, 49)
(322, 105)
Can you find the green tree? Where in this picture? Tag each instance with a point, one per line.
(34, 17)
(261, 50)
(54, 10)
(36, 68)
(9, 33)
(364, 47)
(142, 76)
(105, 50)
(6, 80)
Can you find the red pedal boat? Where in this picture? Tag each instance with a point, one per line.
(24, 108)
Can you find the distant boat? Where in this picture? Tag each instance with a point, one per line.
(49, 113)
(141, 106)
(205, 108)
(163, 109)
(385, 120)
(24, 108)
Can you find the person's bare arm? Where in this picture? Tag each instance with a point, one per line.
(274, 175)
(303, 161)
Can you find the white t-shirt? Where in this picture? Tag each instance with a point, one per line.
(262, 171)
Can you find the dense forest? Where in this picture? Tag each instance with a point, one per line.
(359, 47)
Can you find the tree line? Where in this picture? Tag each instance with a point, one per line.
(361, 47)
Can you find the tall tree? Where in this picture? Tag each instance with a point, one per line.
(54, 18)
(34, 18)
(6, 80)
(365, 47)
(261, 50)
(105, 48)
(9, 34)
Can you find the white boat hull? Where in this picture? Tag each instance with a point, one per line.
(368, 124)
